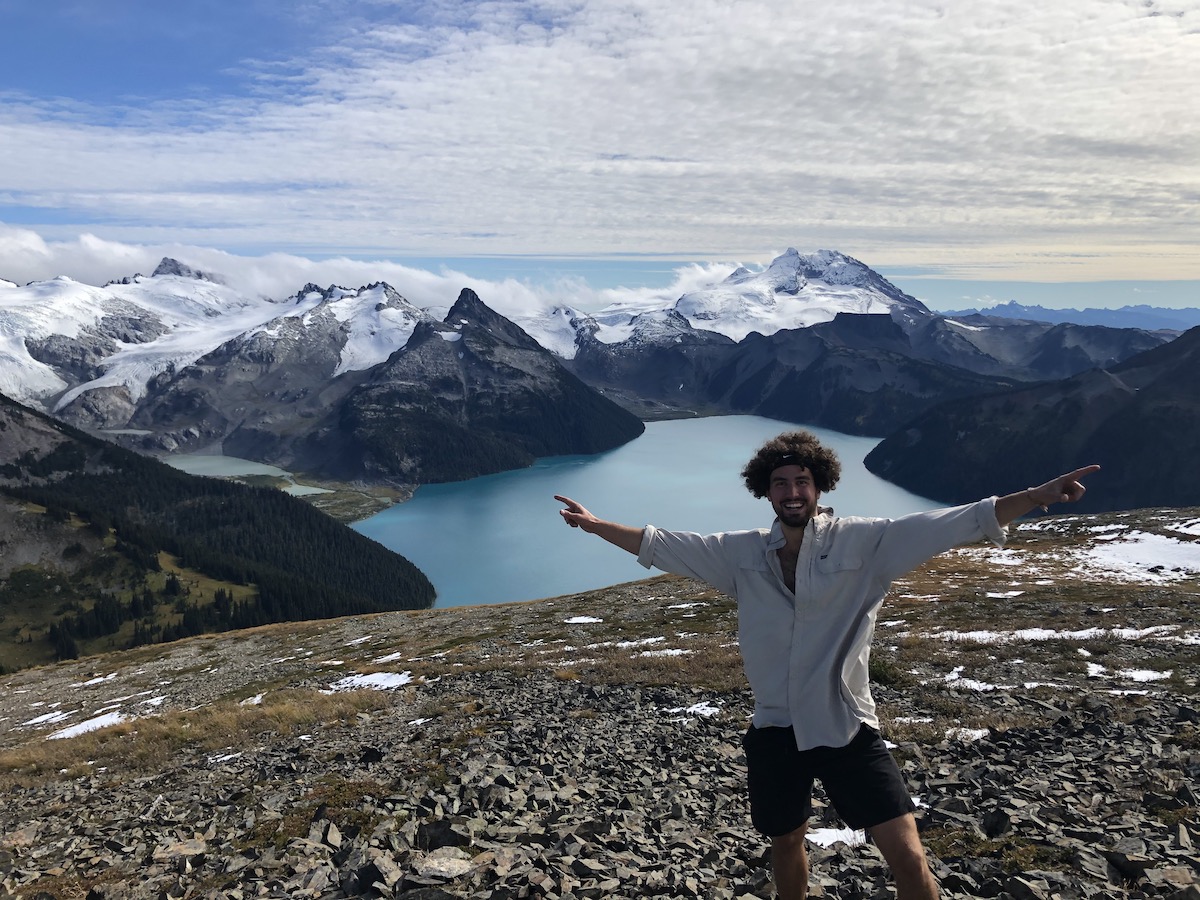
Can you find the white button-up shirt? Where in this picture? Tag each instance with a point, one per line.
(806, 652)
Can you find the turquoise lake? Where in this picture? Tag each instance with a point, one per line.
(499, 538)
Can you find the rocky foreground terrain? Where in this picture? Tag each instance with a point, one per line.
(1042, 699)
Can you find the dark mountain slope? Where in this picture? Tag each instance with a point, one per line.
(302, 563)
(855, 374)
(471, 396)
(1140, 420)
(1028, 351)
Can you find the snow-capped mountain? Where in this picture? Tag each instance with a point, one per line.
(61, 338)
(359, 329)
(795, 291)
(181, 360)
(348, 384)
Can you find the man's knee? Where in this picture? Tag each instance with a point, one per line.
(789, 864)
(794, 839)
(900, 844)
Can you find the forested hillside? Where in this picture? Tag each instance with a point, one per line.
(128, 510)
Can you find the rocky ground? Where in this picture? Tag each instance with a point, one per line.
(589, 746)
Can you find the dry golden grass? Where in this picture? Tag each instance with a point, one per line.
(146, 744)
(706, 665)
(1014, 852)
(349, 802)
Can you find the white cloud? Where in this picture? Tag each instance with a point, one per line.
(25, 256)
(1054, 135)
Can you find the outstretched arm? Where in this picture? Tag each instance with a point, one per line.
(1063, 489)
(624, 536)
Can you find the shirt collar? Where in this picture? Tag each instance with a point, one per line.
(775, 539)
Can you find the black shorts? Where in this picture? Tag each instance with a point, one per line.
(861, 779)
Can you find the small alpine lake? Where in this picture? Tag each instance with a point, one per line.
(499, 538)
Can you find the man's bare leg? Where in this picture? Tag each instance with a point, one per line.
(898, 841)
(789, 864)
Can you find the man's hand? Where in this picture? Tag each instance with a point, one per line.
(623, 536)
(1063, 489)
(575, 514)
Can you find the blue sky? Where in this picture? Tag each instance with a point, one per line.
(974, 149)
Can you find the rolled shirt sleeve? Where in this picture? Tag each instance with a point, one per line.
(701, 556)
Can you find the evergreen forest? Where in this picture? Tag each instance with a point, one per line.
(296, 562)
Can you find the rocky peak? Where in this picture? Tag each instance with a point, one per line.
(659, 327)
(784, 274)
(169, 266)
(309, 289)
(473, 318)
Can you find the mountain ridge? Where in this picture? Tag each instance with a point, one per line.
(1137, 419)
(1144, 316)
(175, 362)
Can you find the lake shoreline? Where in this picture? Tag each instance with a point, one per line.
(353, 502)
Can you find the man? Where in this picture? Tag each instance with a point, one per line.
(808, 590)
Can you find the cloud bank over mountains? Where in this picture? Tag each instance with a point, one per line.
(25, 256)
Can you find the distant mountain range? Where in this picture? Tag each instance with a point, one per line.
(341, 384)
(1150, 318)
(361, 385)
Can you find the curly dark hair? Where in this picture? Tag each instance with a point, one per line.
(800, 448)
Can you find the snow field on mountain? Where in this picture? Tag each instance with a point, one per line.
(188, 317)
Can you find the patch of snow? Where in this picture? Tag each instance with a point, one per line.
(966, 735)
(1145, 674)
(827, 837)
(97, 680)
(624, 645)
(1046, 634)
(964, 326)
(703, 709)
(105, 721)
(51, 718)
(375, 681)
(582, 620)
(955, 678)
(1142, 557)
